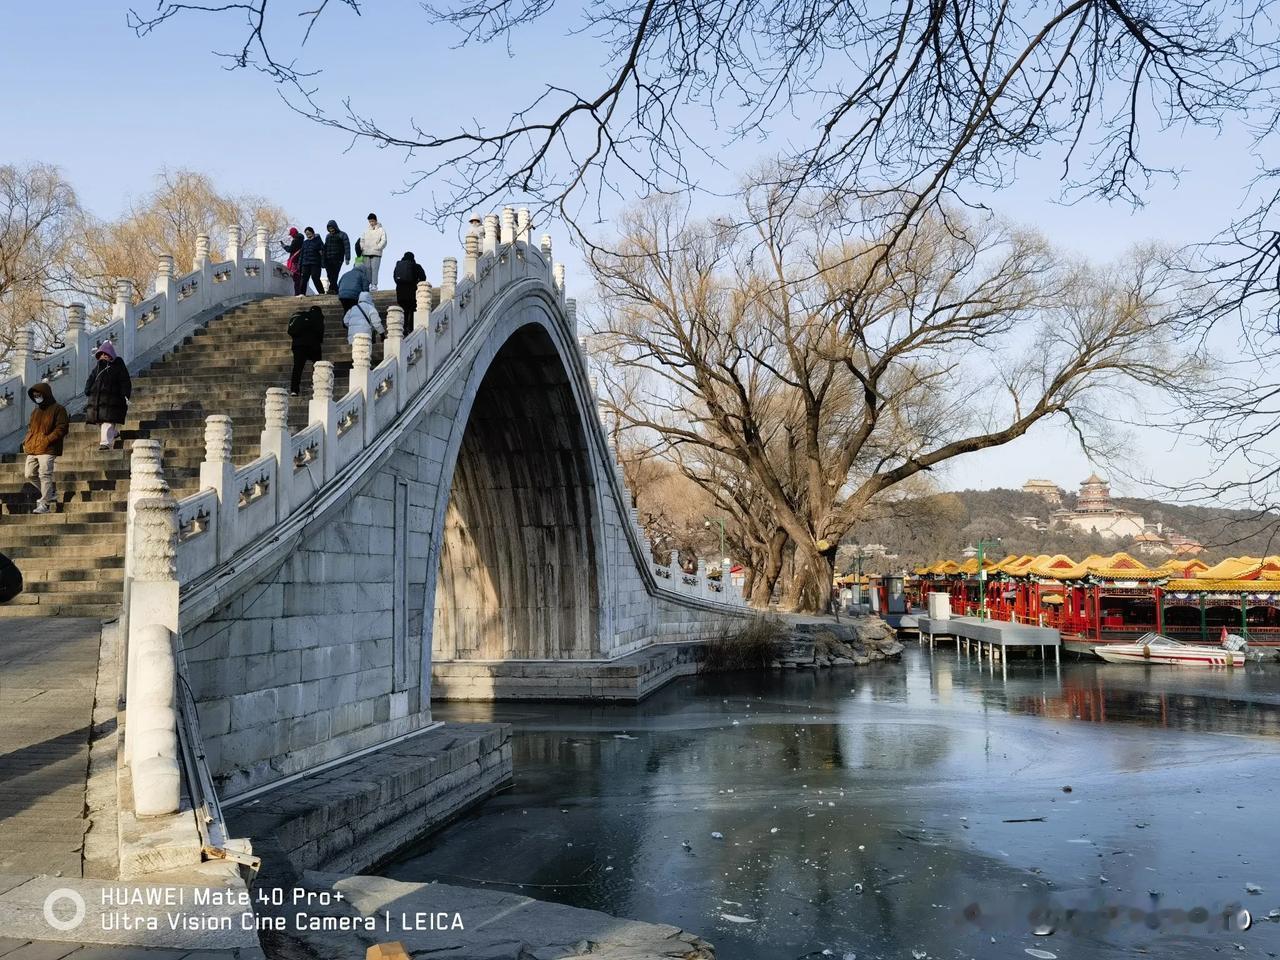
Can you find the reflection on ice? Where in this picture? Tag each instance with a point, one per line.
(926, 805)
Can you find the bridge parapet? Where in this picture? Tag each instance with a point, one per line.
(143, 331)
(222, 519)
(375, 461)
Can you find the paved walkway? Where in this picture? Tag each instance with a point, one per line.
(48, 671)
(45, 950)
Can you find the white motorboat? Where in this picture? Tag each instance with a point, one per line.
(1154, 648)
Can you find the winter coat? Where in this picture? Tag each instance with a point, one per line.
(353, 283)
(48, 424)
(337, 246)
(107, 390)
(10, 579)
(306, 329)
(312, 252)
(293, 247)
(373, 241)
(362, 318)
(408, 274)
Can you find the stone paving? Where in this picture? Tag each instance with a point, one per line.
(48, 672)
(46, 950)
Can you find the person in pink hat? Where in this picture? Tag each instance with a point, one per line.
(107, 394)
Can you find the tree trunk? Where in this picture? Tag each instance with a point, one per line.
(809, 590)
(771, 569)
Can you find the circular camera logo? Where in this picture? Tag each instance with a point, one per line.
(77, 909)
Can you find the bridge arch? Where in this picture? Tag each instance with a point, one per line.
(516, 569)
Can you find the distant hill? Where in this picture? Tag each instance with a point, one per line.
(941, 526)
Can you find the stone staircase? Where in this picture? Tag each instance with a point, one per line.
(72, 559)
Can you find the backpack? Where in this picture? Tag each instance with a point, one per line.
(298, 324)
(405, 273)
(10, 579)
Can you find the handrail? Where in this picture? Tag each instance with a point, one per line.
(140, 332)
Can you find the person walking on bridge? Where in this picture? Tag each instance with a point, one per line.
(293, 247)
(43, 442)
(311, 259)
(407, 275)
(351, 284)
(306, 330)
(362, 318)
(337, 251)
(107, 392)
(372, 243)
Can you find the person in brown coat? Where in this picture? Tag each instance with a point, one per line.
(43, 442)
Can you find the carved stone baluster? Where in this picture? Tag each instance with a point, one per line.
(422, 304)
(448, 279)
(151, 734)
(471, 253)
(275, 440)
(490, 244)
(321, 410)
(233, 243)
(201, 258)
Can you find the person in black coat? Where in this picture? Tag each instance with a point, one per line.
(311, 260)
(107, 393)
(306, 329)
(408, 274)
(10, 579)
(337, 251)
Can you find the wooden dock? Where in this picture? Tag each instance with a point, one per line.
(992, 638)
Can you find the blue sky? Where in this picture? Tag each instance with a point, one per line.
(111, 109)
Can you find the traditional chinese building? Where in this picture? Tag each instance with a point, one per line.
(1118, 598)
(1044, 488)
(1095, 513)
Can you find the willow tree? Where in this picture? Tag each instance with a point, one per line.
(38, 217)
(828, 373)
(182, 205)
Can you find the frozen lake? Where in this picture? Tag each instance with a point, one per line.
(939, 789)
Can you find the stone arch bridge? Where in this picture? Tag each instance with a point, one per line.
(442, 516)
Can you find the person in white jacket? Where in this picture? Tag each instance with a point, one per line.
(362, 318)
(372, 242)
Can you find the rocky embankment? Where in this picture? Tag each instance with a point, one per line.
(855, 642)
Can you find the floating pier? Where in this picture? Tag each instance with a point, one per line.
(992, 638)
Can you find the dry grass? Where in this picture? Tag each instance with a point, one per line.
(753, 647)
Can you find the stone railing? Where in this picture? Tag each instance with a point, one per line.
(673, 576)
(141, 332)
(237, 505)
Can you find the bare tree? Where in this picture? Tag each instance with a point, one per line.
(923, 101)
(38, 214)
(182, 205)
(672, 508)
(925, 98)
(829, 374)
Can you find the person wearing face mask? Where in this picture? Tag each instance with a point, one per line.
(43, 442)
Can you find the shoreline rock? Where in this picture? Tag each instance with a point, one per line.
(855, 642)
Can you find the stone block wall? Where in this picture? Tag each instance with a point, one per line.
(323, 656)
(329, 651)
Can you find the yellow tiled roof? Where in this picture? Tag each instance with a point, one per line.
(1209, 585)
(1047, 566)
(1182, 568)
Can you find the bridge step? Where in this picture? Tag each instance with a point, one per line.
(356, 815)
(225, 368)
